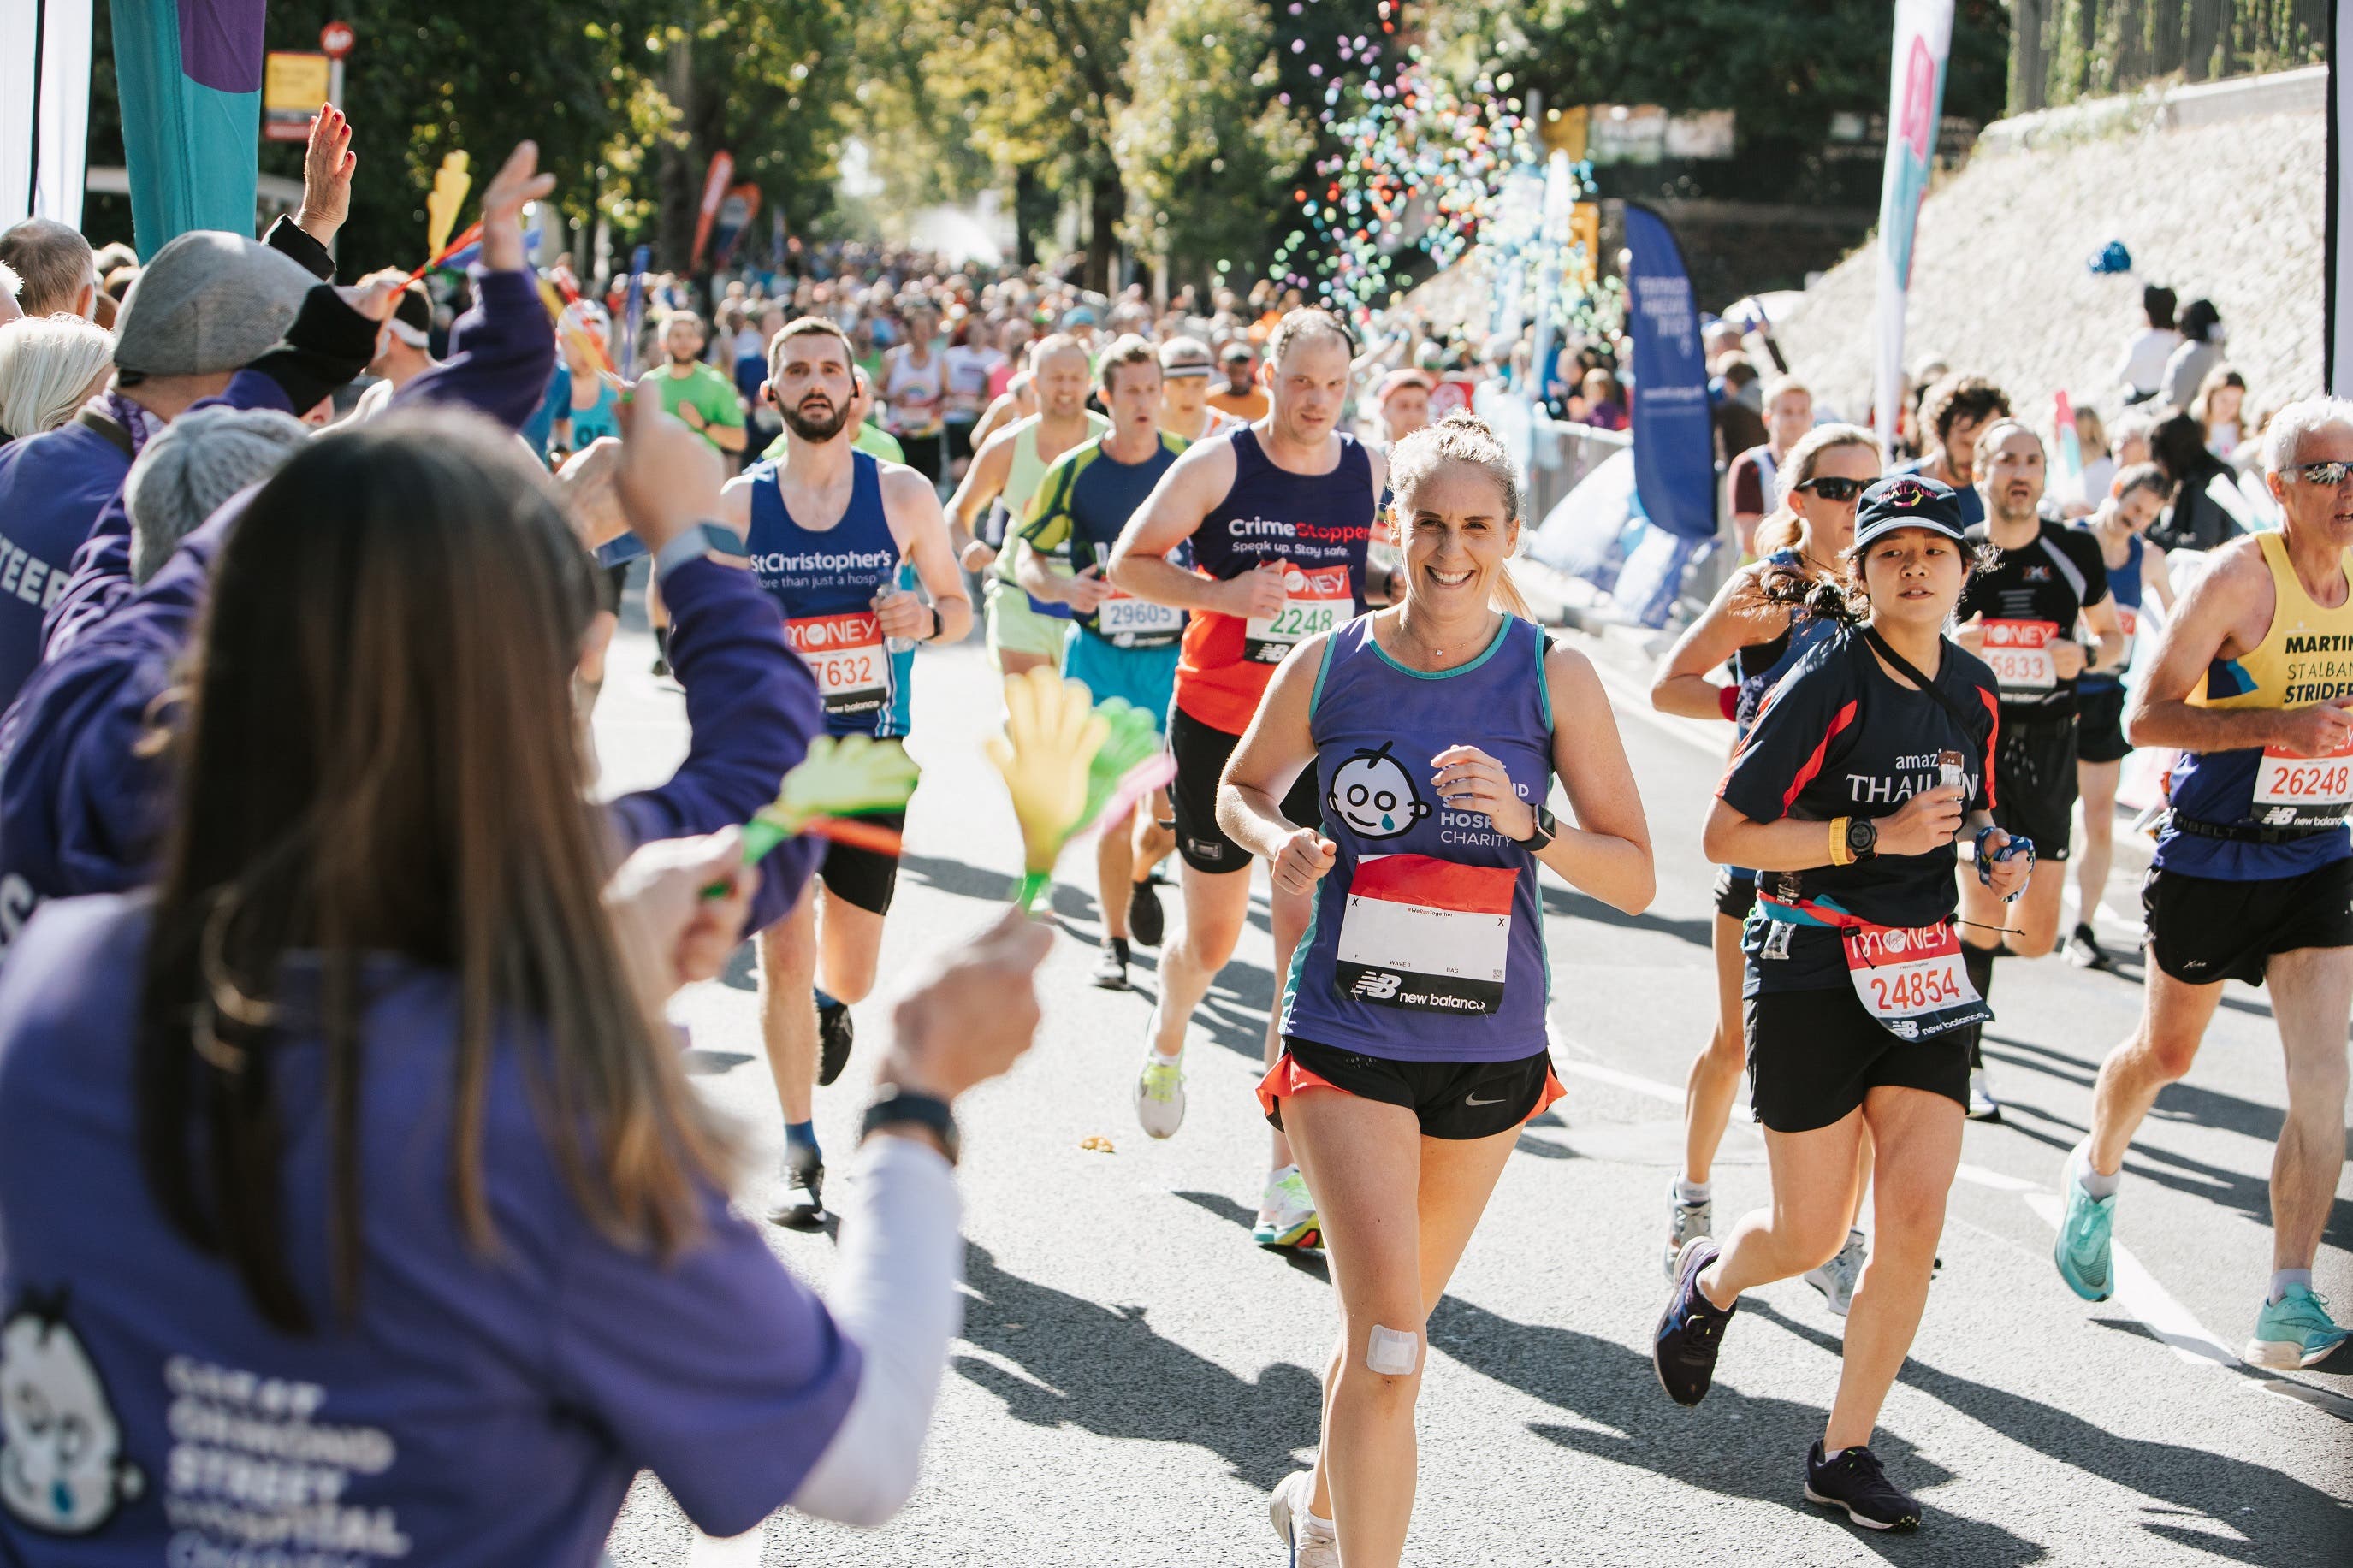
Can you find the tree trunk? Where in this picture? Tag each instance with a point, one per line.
(681, 175)
(1033, 208)
(1106, 200)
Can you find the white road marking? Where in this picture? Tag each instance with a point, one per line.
(734, 1551)
(2138, 1292)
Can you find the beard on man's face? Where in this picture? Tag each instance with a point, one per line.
(804, 421)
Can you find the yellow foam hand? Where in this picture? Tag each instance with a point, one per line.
(450, 184)
(1051, 736)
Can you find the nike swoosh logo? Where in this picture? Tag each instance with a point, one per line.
(1474, 1100)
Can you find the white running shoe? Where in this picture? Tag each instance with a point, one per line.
(1160, 1096)
(1286, 1215)
(1983, 1106)
(1310, 1547)
(1836, 1279)
(1686, 1223)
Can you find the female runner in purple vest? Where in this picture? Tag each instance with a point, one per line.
(1414, 1016)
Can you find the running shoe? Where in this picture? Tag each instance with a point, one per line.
(2081, 1250)
(1160, 1095)
(2083, 949)
(1110, 969)
(1686, 1223)
(1288, 1507)
(1145, 920)
(1852, 1480)
(834, 1034)
(2295, 1331)
(802, 1208)
(1286, 1215)
(1983, 1106)
(1836, 1279)
(661, 667)
(1690, 1331)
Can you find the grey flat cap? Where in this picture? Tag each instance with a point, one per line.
(209, 301)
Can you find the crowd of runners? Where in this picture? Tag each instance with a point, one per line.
(348, 1015)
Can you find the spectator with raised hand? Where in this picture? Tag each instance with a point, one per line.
(375, 1120)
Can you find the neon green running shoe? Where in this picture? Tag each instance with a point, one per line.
(1160, 1097)
(1286, 1217)
(2295, 1331)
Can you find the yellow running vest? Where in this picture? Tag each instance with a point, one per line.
(2305, 657)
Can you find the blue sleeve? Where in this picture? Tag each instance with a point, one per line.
(501, 352)
(1794, 737)
(102, 563)
(751, 709)
(719, 1371)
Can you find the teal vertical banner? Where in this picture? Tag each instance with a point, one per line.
(189, 77)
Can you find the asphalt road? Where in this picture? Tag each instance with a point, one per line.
(1134, 1376)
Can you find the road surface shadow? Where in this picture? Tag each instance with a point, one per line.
(1736, 1445)
(1103, 1370)
(962, 880)
(1567, 901)
(2249, 1193)
(2181, 1102)
(709, 1064)
(1225, 1208)
(2234, 1495)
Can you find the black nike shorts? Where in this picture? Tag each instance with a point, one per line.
(2100, 725)
(866, 877)
(2034, 785)
(2202, 928)
(1456, 1100)
(1814, 1054)
(1201, 754)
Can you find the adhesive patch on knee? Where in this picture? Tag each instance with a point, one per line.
(1392, 1353)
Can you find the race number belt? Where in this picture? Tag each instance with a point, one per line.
(2018, 652)
(1429, 935)
(845, 653)
(1315, 599)
(1912, 980)
(2302, 791)
(1127, 621)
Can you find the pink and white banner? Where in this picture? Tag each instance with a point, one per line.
(1916, 97)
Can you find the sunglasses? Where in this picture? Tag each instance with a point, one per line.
(1838, 491)
(2331, 474)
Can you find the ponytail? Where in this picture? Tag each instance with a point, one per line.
(1836, 599)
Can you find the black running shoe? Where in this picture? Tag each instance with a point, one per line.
(1145, 921)
(2083, 949)
(1690, 1331)
(802, 1208)
(1852, 1480)
(661, 667)
(834, 1035)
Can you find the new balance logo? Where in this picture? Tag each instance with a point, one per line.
(1375, 985)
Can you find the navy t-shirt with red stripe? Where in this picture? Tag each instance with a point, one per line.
(1839, 737)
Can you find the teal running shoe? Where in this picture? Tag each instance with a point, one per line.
(2295, 1331)
(2082, 1249)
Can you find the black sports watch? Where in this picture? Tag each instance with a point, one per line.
(899, 1106)
(1861, 838)
(1546, 826)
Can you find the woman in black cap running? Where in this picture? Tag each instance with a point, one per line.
(1847, 794)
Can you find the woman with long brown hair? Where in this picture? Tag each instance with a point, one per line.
(1758, 639)
(393, 1226)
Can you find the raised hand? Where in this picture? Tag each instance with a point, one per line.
(327, 165)
(669, 477)
(517, 182)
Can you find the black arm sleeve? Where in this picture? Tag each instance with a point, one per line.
(285, 236)
(327, 346)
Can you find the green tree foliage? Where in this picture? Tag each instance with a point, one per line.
(1202, 138)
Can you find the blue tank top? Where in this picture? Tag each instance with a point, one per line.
(2124, 587)
(1427, 939)
(825, 581)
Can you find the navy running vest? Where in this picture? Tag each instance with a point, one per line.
(825, 581)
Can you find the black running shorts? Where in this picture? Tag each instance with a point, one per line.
(1736, 891)
(2034, 781)
(1813, 1055)
(1453, 1100)
(1202, 752)
(2202, 930)
(611, 583)
(2100, 725)
(866, 877)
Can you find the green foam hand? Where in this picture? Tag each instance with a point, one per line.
(1133, 739)
(846, 775)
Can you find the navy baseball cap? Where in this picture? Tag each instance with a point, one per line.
(1908, 500)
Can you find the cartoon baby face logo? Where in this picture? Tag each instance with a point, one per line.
(1372, 792)
(61, 1464)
